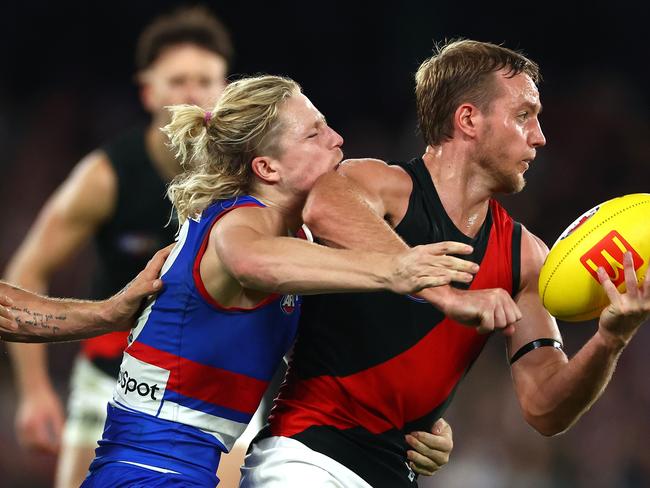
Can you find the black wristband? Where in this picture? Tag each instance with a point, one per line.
(531, 346)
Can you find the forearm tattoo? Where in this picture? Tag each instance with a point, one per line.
(30, 318)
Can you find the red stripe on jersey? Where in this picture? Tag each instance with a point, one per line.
(207, 383)
(408, 386)
(109, 346)
(196, 269)
(378, 398)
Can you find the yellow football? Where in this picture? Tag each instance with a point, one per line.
(568, 281)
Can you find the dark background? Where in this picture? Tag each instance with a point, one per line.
(66, 86)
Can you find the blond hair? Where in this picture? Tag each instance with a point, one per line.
(460, 72)
(218, 146)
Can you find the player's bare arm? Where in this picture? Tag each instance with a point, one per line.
(371, 197)
(29, 317)
(251, 249)
(366, 198)
(71, 215)
(554, 391)
(67, 220)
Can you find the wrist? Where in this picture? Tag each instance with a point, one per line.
(391, 278)
(35, 387)
(439, 296)
(612, 342)
(102, 314)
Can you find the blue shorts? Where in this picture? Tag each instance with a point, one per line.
(122, 475)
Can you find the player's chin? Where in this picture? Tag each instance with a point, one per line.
(519, 184)
(514, 184)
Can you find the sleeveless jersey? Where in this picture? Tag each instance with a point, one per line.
(135, 231)
(194, 371)
(369, 367)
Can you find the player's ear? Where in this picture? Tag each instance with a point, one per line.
(265, 168)
(467, 119)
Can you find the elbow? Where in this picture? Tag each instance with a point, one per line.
(546, 419)
(547, 426)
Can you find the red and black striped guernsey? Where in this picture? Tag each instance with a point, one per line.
(368, 368)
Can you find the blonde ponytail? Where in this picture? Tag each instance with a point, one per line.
(217, 147)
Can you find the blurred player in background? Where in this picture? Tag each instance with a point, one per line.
(116, 196)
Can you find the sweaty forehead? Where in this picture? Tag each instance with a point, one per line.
(520, 89)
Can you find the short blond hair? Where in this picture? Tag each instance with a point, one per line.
(462, 71)
(217, 146)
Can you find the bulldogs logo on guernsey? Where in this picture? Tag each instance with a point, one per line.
(195, 362)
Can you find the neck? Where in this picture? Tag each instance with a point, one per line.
(461, 185)
(290, 207)
(162, 158)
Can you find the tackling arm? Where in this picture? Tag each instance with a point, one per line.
(351, 208)
(29, 317)
(248, 245)
(35, 318)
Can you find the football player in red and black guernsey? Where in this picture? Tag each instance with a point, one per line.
(369, 369)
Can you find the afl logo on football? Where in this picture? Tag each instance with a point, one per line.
(288, 304)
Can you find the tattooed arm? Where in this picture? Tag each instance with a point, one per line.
(29, 317)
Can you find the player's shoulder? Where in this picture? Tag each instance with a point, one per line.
(536, 245)
(263, 219)
(373, 165)
(386, 183)
(533, 253)
(94, 173)
(378, 173)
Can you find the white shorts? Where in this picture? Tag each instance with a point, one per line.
(281, 462)
(90, 391)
